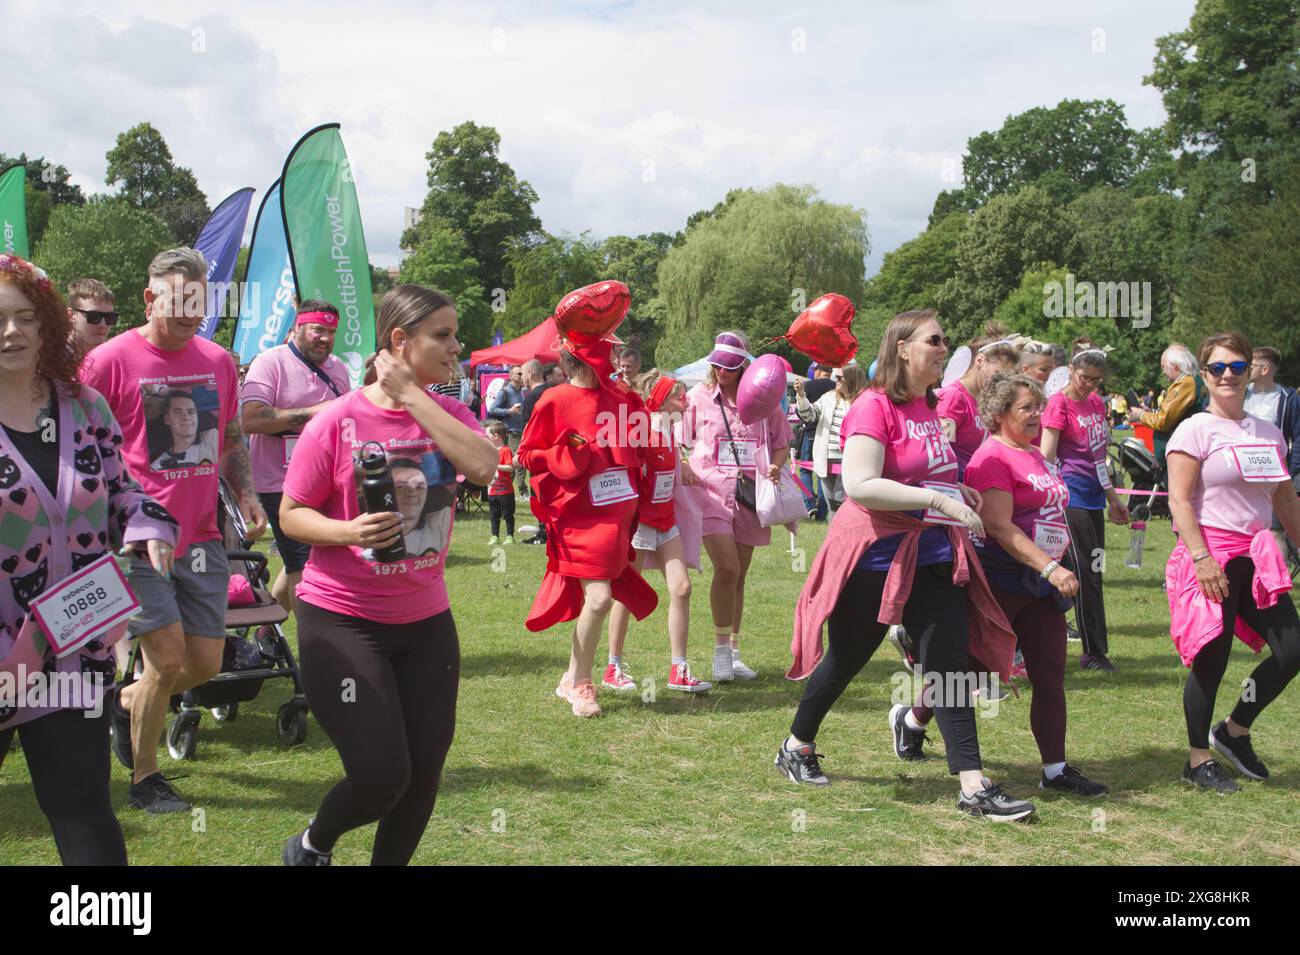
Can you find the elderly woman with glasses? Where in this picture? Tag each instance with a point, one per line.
(1227, 576)
(1075, 436)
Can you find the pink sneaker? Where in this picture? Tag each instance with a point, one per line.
(616, 678)
(679, 678)
(582, 697)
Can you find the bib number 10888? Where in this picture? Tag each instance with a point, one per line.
(79, 606)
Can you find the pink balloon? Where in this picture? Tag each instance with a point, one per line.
(761, 388)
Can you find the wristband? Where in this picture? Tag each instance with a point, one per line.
(1197, 560)
(1051, 565)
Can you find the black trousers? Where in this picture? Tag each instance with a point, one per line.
(1278, 625)
(499, 506)
(385, 694)
(67, 755)
(935, 616)
(1086, 558)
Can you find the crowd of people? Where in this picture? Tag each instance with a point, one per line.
(964, 523)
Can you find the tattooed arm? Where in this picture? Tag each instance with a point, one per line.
(258, 417)
(235, 469)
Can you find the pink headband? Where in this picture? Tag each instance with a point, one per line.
(327, 319)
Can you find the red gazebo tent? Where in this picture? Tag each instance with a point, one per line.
(539, 344)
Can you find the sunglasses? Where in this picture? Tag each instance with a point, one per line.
(98, 318)
(934, 341)
(1217, 368)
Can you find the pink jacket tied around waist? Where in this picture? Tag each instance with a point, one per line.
(1194, 619)
(854, 529)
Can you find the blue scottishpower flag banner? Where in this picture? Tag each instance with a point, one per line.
(13, 212)
(327, 247)
(266, 310)
(219, 241)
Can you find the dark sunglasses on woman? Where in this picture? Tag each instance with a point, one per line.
(934, 341)
(1217, 368)
(96, 318)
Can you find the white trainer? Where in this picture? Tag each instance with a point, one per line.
(740, 671)
(723, 671)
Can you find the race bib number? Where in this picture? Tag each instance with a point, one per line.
(663, 490)
(1259, 463)
(951, 490)
(611, 487)
(84, 605)
(1103, 473)
(290, 442)
(746, 448)
(1052, 538)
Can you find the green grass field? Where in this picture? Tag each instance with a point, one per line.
(691, 780)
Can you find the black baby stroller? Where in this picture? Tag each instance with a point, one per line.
(256, 650)
(1130, 456)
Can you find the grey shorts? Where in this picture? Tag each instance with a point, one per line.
(196, 598)
(649, 538)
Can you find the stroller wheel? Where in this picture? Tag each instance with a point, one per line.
(291, 723)
(225, 714)
(183, 737)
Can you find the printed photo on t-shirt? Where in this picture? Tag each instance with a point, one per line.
(426, 497)
(182, 423)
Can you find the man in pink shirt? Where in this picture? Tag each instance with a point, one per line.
(284, 388)
(166, 385)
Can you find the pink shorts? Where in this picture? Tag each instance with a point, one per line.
(722, 515)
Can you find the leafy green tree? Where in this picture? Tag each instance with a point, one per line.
(634, 261)
(912, 275)
(107, 239)
(754, 264)
(142, 163)
(998, 243)
(544, 273)
(443, 262)
(472, 190)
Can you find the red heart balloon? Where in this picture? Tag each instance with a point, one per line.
(822, 331)
(590, 313)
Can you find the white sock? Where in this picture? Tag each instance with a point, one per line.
(679, 660)
(306, 844)
(722, 650)
(792, 743)
(912, 723)
(615, 661)
(1052, 770)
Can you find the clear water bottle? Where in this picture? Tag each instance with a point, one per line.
(1137, 535)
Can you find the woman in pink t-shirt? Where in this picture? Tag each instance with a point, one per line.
(958, 411)
(722, 448)
(1024, 514)
(380, 654)
(1227, 476)
(1076, 432)
(896, 458)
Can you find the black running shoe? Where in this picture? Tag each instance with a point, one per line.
(995, 805)
(1208, 775)
(908, 742)
(295, 853)
(801, 765)
(120, 718)
(1072, 635)
(1098, 662)
(154, 794)
(1074, 782)
(1238, 751)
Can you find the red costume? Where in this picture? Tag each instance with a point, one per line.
(586, 488)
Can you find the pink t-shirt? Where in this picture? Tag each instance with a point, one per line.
(280, 379)
(1081, 449)
(173, 407)
(958, 406)
(322, 476)
(1234, 491)
(1038, 497)
(916, 453)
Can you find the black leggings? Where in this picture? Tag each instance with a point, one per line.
(499, 506)
(67, 755)
(1087, 547)
(385, 694)
(1279, 626)
(936, 617)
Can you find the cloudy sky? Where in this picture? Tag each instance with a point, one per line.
(626, 117)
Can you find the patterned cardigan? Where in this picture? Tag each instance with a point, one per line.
(45, 538)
